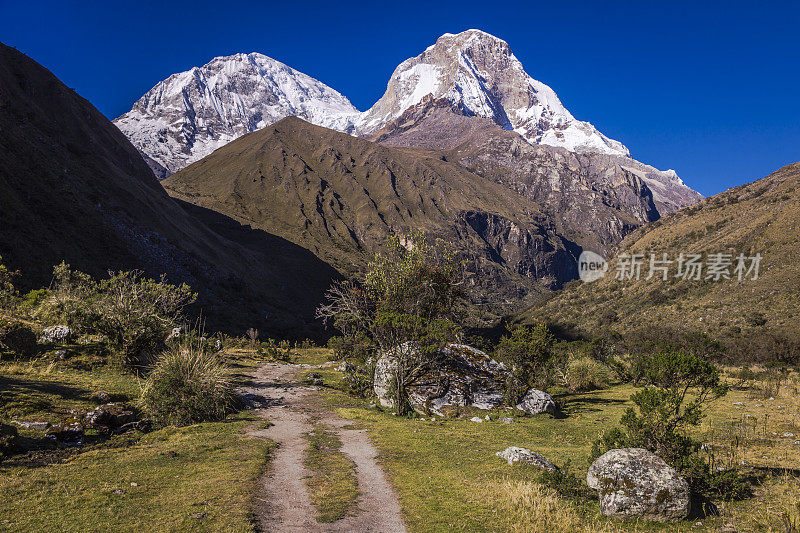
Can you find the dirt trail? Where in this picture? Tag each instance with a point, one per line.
(283, 503)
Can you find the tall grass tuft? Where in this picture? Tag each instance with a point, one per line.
(586, 374)
(188, 385)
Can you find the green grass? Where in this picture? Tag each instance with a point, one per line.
(206, 486)
(195, 478)
(332, 486)
(448, 477)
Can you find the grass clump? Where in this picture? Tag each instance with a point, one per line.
(188, 385)
(332, 485)
(586, 374)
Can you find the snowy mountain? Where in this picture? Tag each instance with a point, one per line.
(191, 114)
(479, 74)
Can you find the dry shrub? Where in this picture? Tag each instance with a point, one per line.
(531, 507)
(586, 374)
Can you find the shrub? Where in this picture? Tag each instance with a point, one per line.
(7, 290)
(405, 303)
(586, 374)
(527, 351)
(679, 387)
(188, 385)
(137, 314)
(70, 301)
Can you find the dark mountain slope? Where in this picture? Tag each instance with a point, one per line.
(73, 188)
(341, 197)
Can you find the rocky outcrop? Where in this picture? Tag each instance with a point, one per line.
(633, 482)
(467, 378)
(514, 454)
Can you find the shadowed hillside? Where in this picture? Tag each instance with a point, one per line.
(73, 188)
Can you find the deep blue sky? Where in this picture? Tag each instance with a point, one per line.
(711, 89)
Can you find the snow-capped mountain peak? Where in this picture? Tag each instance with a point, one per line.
(192, 113)
(478, 73)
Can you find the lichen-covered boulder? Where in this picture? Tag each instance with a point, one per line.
(467, 377)
(633, 482)
(536, 402)
(514, 454)
(56, 335)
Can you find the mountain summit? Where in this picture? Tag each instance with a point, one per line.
(477, 73)
(189, 115)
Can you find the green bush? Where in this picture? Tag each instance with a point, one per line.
(527, 351)
(406, 303)
(7, 291)
(188, 385)
(679, 385)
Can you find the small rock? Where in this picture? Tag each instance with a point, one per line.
(118, 492)
(536, 402)
(787, 435)
(514, 454)
(728, 528)
(134, 484)
(797, 442)
(476, 419)
(101, 397)
(486, 417)
(198, 516)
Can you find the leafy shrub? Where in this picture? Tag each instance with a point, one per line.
(7, 290)
(70, 301)
(188, 385)
(586, 374)
(527, 351)
(357, 345)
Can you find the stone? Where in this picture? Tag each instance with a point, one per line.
(514, 454)
(346, 366)
(506, 420)
(174, 334)
(56, 335)
(476, 419)
(70, 433)
(467, 377)
(101, 397)
(19, 338)
(8, 439)
(536, 402)
(34, 425)
(110, 417)
(633, 482)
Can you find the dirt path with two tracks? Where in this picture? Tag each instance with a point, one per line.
(282, 503)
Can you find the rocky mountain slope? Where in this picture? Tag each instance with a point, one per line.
(192, 113)
(73, 188)
(762, 217)
(341, 197)
(592, 198)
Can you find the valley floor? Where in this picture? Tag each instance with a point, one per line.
(311, 458)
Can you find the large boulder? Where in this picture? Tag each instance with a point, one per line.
(467, 377)
(633, 482)
(108, 418)
(514, 454)
(18, 338)
(56, 335)
(536, 402)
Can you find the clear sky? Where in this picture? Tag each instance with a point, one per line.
(711, 89)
